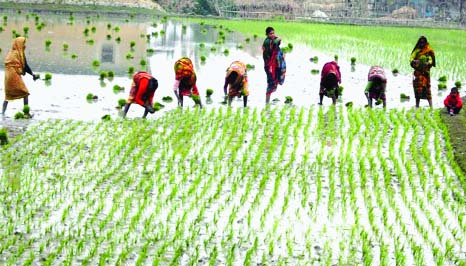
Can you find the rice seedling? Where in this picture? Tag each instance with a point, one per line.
(209, 92)
(458, 84)
(203, 58)
(130, 70)
(443, 78)
(48, 42)
(91, 97)
(48, 76)
(90, 41)
(103, 75)
(74, 56)
(167, 99)
(315, 71)
(288, 100)
(226, 51)
(404, 97)
(96, 63)
(93, 29)
(442, 86)
(19, 115)
(25, 30)
(143, 63)
(118, 39)
(3, 136)
(250, 67)
(395, 71)
(129, 56)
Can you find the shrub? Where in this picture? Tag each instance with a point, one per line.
(3, 136)
(209, 92)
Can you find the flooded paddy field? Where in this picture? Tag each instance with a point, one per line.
(279, 185)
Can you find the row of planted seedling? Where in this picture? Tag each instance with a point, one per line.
(236, 186)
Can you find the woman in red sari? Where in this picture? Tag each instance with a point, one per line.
(274, 62)
(142, 92)
(330, 78)
(422, 60)
(185, 81)
(15, 67)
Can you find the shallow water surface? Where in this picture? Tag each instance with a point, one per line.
(74, 78)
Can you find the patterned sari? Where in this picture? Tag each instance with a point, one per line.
(274, 64)
(184, 72)
(15, 65)
(421, 81)
(239, 87)
(140, 91)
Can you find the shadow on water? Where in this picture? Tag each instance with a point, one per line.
(119, 45)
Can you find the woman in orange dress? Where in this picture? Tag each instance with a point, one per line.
(236, 80)
(185, 81)
(422, 60)
(15, 67)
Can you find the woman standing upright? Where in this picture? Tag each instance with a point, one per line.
(15, 67)
(274, 62)
(422, 60)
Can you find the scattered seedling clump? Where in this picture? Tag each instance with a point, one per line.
(3, 136)
(288, 100)
(167, 99)
(458, 84)
(209, 92)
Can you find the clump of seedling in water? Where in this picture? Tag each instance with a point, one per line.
(132, 44)
(314, 59)
(158, 106)
(121, 103)
(48, 42)
(129, 56)
(48, 77)
(106, 117)
(353, 61)
(340, 90)
(458, 84)
(143, 63)
(74, 56)
(19, 115)
(131, 70)
(404, 97)
(203, 58)
(91, 97)
(167, 99)
(26, 30)
(335, 57)
(442, 86)
(96, 63)
(209, 92)
(103, 75)
(27, 111)
(250, 67)
(90, 41)
(315, 71)
(118, 39)
(443, 79)
(395, 71)
(3, 136)
(65, 46)
(288, 100)
(226, 51)
(118, 88)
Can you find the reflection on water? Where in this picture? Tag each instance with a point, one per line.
(119, 44)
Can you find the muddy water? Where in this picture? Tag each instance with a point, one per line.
(73, 79)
